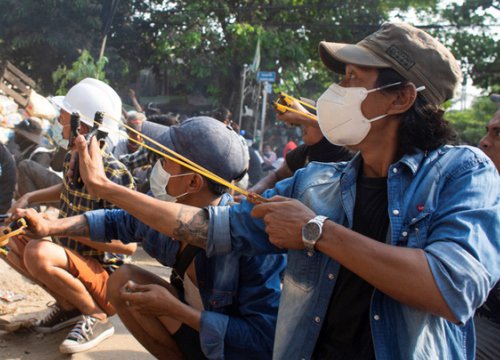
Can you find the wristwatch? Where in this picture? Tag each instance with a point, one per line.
(312, 231)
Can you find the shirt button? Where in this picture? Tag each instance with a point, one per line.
(404, 233)
(317, 319)
(395, 170)
(331, 276)
(310, 253)
(395, 212)
(376, 317)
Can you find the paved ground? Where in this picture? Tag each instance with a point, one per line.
(32, 346)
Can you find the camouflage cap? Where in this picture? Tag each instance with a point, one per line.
(411, 52)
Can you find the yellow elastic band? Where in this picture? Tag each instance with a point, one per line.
(299, 101)
(181, 160)
(307, 115)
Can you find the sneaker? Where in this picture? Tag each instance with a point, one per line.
(57, 319)
(86, 334)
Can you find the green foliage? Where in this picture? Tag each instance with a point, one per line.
(470, 123)
(39, 35)
(200, 47)
(470, 29)
(83, 67)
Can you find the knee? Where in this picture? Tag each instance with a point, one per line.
(116, 281)
(35, 256)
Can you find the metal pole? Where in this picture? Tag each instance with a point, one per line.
(242, 94)
(103, 46)
(263, 116)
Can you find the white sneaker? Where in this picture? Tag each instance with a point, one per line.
(86, 334)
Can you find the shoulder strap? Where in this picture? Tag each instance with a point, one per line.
(181, 264)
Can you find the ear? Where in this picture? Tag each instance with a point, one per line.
(196, 183)
(404, 99)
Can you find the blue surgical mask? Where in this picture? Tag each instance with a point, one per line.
(57, 135)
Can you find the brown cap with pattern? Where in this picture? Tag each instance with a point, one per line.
(411, 52)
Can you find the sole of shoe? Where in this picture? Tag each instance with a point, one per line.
(55, 328)
(71, 347)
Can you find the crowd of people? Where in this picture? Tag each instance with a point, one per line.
(374, 239)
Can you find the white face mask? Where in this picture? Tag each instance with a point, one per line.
(57, 135)
(340, 117)
(158, 181)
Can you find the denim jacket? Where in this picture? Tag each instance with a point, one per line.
(240, 294)
(445, 202)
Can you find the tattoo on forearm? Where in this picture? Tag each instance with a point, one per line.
(77, 226)
(192, 227)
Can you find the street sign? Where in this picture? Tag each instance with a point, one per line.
(269, 76)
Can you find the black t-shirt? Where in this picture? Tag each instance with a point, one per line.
(346, 331)
(491, 308)
(322, 151)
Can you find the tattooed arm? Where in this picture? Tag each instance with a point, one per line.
(75, 227)
(192, 226)
(39, 226)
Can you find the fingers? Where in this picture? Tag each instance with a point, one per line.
(81, 147)
(132, 287)
(260, 210)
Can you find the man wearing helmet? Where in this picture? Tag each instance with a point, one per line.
(73, 272)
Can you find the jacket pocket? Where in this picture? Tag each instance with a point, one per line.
(303, 268)
(414, 233)
(219, 299)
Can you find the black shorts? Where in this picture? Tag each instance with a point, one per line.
(188, 341)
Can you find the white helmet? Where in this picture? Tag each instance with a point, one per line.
(89, 96)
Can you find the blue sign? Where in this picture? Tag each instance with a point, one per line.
(269, 76)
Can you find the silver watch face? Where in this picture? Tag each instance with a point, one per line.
(311, 231)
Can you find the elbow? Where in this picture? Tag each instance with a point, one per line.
(448, 315)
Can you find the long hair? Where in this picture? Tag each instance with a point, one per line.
(423, 125)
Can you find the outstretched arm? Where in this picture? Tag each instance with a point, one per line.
(75, 227)
(182, 222)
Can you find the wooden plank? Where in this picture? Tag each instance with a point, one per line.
(19, 99)
(25, 78)
(12, 79)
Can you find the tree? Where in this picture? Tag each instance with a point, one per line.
(471, 30)
(201, 46)
(470, 123)
(39, 35)
(83, 67)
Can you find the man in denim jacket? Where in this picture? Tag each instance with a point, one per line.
(409, 248)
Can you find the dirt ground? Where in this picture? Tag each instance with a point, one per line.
(26, 344)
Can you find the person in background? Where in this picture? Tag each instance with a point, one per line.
(168, 119)
(35, 166)
(225, 116)
(28, 138)
(255, 172)
(135, 102)
(7, 178)
(290, 145)
(269, 158)
(125, 146)
(315, 148)
(487, 318)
